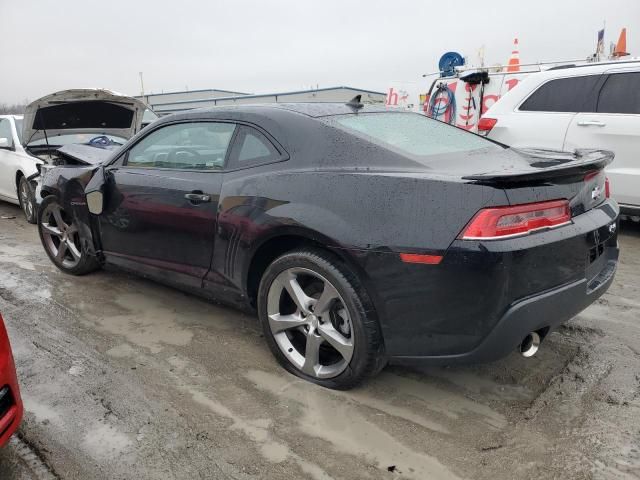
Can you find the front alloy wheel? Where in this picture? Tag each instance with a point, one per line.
(61, 239)
(60, 236)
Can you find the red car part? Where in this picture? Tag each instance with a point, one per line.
(11, 408)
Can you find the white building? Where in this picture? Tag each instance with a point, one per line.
(175, 102)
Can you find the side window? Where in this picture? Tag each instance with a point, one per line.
(5, 132)
(574, 94)
(191, 146)
(620, 94)
(251, 148)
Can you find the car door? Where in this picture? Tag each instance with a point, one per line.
(543, 118)
(243, 216)
(162, 200)
(615, 126)
(7, 161)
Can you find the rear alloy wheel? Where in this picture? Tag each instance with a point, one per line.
(61, 240)
(315, 321)
(27, 201)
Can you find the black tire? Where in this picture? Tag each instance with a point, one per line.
(27, 200)
(84, 263)
(368, 356)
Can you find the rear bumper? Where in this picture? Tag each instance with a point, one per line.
(485, 296)
(546, 311)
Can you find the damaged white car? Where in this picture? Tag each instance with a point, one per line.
(69, 121)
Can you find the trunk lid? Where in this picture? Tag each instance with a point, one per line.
(82, 111)
(534, 175)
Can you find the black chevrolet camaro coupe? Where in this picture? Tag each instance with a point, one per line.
(360, 235)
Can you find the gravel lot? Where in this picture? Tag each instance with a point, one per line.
(126, 379)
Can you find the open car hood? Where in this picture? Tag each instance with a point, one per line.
(86, 111)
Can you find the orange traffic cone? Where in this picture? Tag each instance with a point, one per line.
(621, 46)
(514, 60)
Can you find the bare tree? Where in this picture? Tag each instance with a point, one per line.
(13, 108)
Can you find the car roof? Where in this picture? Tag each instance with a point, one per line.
(272, 110)
(597, 67)
(587, 69)
(537, 78)
(276, 118)
(322, 109)
(296, 127)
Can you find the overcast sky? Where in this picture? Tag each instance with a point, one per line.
(261, 46)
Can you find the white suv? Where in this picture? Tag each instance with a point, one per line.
(585, 106)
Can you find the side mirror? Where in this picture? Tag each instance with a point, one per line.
(94, 192)
(5, 143)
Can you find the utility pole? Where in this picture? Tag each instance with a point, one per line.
(141, 85)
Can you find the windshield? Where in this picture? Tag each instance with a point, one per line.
(19, 128)
(411, 133)
(66, 139)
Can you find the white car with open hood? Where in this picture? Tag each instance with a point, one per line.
(79, 118)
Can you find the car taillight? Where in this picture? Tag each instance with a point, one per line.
(509, 221)
(486, 124)
(607, 188)
(591, 175)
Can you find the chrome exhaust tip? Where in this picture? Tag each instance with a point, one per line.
(530, 345)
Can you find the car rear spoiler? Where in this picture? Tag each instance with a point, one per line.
(546, 164)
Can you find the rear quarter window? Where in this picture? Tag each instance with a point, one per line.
(573, 94)
(252, 148)
(411, 133)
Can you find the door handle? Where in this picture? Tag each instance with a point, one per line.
(196, 198)
(592, 123)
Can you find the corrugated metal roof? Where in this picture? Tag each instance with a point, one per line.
(278, 94)
(191, 91)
